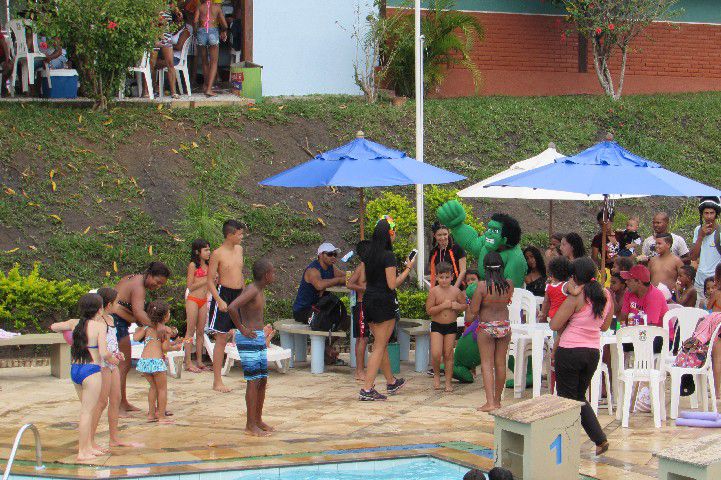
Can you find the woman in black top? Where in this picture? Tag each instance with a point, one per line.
(536, 276)
(381, 306)
(445, 250)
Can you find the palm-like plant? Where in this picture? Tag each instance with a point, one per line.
(449, 39)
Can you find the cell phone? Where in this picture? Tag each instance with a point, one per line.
(412, 255)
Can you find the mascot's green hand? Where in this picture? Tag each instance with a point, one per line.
(451, 214)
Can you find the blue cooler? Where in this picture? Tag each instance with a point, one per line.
(63, 83)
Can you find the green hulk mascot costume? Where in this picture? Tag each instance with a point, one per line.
(503, 233)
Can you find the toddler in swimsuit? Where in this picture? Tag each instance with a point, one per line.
(444, 300)
(490, 302)
(152, 362)
(196, 302)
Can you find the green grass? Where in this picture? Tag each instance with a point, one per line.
(474, 136)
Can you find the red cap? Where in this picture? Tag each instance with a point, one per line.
(637, 272)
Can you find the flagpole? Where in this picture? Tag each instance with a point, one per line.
(421, 263)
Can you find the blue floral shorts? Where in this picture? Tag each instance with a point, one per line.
(151, 365)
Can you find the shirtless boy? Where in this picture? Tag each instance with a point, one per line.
(361, 330)
(665, 266)
(685, 290)
(226, 263)
(251, 344)
(444, 300)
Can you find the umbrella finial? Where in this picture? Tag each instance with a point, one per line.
(360, 134)
(609, 137)
(551, 145)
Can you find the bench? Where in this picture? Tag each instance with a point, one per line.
(294, 336)
(697, 460)
(421, 330)
(59, 350)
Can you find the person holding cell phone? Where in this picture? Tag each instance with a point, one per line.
(381, 306)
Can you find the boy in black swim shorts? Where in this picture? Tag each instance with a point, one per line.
(226, 262)
(444, 301)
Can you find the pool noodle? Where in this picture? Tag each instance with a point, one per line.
(708, 416)
(693, 422)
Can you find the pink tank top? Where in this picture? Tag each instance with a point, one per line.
(583, 329)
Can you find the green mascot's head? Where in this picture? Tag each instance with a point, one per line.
(502, 231)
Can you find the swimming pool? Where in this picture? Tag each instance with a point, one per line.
(421, 468)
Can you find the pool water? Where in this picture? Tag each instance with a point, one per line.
(422, 468)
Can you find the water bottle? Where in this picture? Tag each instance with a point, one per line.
(643, 318)
(347, 256)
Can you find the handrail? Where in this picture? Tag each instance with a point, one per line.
(38, 449)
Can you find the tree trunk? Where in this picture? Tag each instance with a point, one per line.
(624, 53)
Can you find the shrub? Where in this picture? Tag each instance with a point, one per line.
(103, 37)
(412, 303)
(404, 213)
(28, 303)
(539, 240)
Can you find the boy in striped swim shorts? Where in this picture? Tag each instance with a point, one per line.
(251, 343)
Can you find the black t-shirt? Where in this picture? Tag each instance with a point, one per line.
(376, 281)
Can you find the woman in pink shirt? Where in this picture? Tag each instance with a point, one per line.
(580, 320)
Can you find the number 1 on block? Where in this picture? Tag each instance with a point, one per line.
(557, 444)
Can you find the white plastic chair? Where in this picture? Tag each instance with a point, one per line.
(23, 57)
(644, 369)
(599, 376)
(278, 355)
(181, 67)
(706, 385)
(686, 318)
(523, 307)
(142, 69)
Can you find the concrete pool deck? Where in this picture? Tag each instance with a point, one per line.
(317, 417)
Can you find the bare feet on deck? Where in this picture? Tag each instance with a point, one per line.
(449, 390)
(126, 408)
(99, 451)
(121, 443)
(256, 432)
(86, 457)
(166, 421)
(204, 367)
(265, 427)
(210, 93)
(488, 407)
(222, 388)
(437, 383)
(193, 369)
(360, 376)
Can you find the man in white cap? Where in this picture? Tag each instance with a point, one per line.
(317, 277)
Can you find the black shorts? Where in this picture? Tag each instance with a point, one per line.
(220, 322)
(302, 316)
(379, 308)
(121, 326)
(444, 328)
(360, 323)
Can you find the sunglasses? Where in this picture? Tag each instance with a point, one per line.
(331, 254)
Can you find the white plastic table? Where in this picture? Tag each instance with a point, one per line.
(537, 334)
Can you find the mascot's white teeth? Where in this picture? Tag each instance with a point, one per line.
(492, 241)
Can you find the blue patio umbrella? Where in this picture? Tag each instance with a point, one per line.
(361, 163)
(608, 169)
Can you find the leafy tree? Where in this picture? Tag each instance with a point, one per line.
(103, 37)
(611, 25)
(449, 39)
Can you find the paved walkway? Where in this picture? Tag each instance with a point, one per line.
(317, 417)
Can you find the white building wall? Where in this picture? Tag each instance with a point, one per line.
(306, 46)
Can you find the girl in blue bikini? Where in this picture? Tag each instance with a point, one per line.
(152, 363)
(88, 350)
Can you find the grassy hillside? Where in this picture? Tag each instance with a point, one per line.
(92, 196)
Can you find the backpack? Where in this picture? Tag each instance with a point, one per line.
(329, 315)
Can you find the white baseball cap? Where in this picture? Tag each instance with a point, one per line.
(328, 247)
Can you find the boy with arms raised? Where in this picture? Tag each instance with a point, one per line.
(252, 349)
(226, 263)
(444, 300)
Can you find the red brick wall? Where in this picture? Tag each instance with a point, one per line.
(525, 55)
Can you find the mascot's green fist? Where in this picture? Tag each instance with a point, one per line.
(503, 233)
(451, 214)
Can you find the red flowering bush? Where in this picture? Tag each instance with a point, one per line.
(103, 38)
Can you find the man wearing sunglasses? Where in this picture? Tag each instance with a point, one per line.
(317, 277)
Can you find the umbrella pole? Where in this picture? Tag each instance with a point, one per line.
(362, 214)
(550, 221)
(603, 240)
